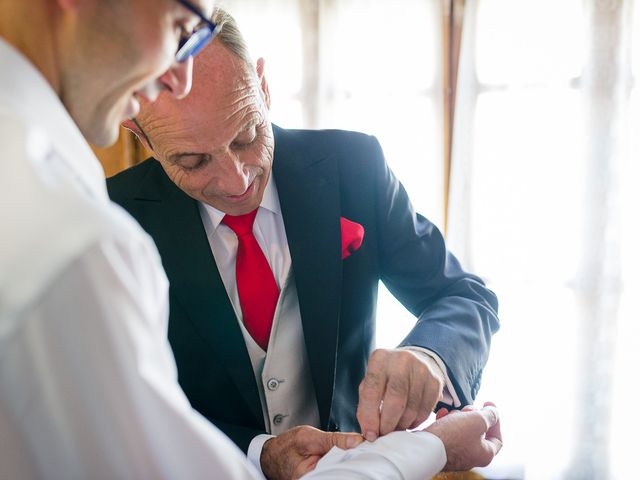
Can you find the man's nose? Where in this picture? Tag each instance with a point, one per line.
(232, 178)
(177, 79)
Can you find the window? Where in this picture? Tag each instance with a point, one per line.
(545, 206)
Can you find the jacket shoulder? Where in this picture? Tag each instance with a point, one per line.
(126, 184)
(354, 152)
(329, 140)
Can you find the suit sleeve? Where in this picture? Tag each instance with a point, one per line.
(457, 313)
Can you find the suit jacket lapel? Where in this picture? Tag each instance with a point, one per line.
(196, 282)
(307, 183)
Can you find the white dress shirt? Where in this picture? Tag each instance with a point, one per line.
(88, 385)
(87, 380)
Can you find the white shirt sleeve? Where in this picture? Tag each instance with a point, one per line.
(88, 384)
(89, 389)
(254, 451)
(396, 456)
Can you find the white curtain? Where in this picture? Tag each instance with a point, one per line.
(363, 65)
(544, 203)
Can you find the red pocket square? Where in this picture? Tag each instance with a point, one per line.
(352, 235)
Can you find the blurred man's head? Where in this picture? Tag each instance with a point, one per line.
(103, 56)
(216, 144)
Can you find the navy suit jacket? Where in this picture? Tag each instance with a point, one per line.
(320, 176)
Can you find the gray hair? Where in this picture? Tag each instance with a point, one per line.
(230, 35)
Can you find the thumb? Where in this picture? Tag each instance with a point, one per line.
(443, 412)
(344, 441)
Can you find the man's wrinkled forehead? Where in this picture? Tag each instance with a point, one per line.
(222, 86)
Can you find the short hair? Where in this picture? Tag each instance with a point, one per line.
(230, 35)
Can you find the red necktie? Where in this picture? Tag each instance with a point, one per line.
(257, 288)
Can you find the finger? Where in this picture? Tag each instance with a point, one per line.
(423, 415)
(414, 411)
(443, 412)
(305, 466)
(488, 450)
(311, 441)
(396, 398)
(346, 441)
(494, 432)
(371, 391)
(408, 419)
(430, 396)
(490, 416)
(319, 442)
(468, 408)
(495, 443)
(492, 443)
(423, 392)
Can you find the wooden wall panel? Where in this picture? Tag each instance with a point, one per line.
(125, 153)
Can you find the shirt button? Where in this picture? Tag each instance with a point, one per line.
(273, 384)
(277, 420)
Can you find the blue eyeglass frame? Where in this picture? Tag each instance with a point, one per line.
(200, 38)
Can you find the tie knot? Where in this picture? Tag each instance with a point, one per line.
(241, 224)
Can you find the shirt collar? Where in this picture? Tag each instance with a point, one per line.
(28, 95)
(269, 202)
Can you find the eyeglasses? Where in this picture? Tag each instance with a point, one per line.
(191, 46)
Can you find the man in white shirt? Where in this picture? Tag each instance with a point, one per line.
(87, 381)
(215, 150)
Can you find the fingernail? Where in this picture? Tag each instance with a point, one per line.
(352, 441)
(370, 436)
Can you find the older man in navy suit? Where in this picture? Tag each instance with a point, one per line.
(274, 242)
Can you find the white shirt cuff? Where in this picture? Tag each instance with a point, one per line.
(397, 456)
(255, 449)
(449, 395)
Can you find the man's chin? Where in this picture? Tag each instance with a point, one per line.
(103, 137)
(234, 210)
(241, 204)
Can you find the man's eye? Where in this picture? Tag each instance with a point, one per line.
(244, 142)
(191, 163)
(184, 35)
(243, 145)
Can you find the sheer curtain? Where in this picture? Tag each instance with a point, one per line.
(363, 65)
(544, 204)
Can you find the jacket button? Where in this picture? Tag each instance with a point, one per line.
(273, 384)
(277, 420)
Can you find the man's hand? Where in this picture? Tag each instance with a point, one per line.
(471, 437)
(399, 391)
(297, 451)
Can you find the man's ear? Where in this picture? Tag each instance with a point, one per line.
(133, 126)
(264, 86)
